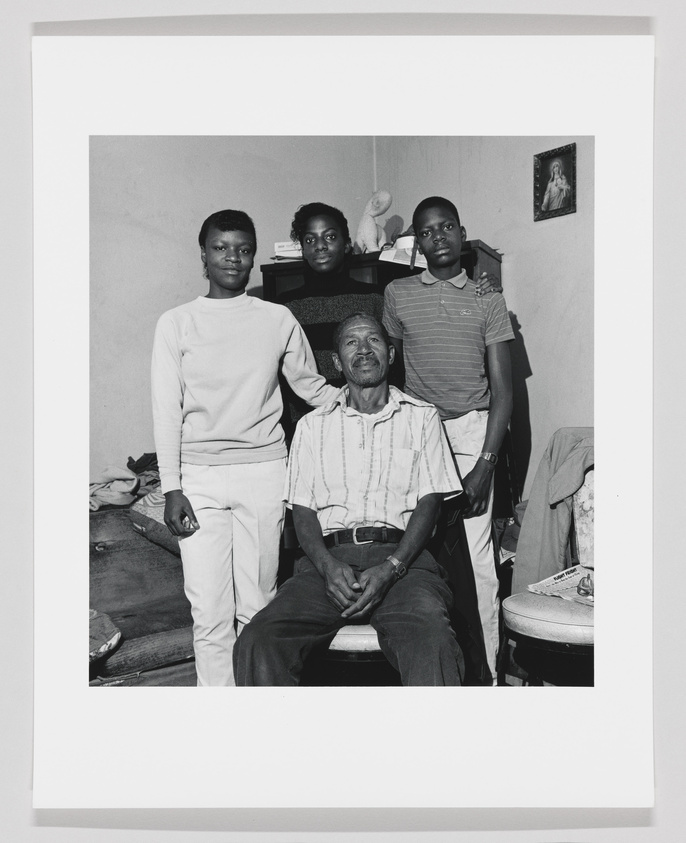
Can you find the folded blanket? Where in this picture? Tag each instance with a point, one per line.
(115, 485)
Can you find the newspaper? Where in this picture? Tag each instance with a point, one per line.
(565, 585)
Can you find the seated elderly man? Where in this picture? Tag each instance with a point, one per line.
(366, 477)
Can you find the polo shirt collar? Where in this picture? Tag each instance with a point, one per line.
(458, 281)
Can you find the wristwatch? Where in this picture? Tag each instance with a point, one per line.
(492, 458)
(400, 567)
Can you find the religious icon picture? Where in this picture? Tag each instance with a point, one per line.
(555, 182)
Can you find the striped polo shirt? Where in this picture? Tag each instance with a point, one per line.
(358, 469)
(445, 328)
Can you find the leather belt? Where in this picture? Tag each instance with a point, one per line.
(364, 535)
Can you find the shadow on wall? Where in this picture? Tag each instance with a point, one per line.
(521, 420)
(393, 227)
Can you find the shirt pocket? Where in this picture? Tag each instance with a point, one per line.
(400, 473)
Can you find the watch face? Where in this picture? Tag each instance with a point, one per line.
(401, 570)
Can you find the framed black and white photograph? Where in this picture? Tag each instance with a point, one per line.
(555, 182)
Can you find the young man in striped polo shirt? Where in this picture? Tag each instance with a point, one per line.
(366, 477)
(450, 336)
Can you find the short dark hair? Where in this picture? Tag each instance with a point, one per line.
(227, 220)
(359, 314)
(433, 202)
(317, 209)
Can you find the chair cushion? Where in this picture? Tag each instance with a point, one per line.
(549, 618)
(356, 638)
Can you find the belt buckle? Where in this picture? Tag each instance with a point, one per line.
(355, 539)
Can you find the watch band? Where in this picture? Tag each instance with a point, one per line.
(486, 455)
(399, 567)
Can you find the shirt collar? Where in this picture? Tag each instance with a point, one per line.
(224, 304)
(395, 396)
(458, 281)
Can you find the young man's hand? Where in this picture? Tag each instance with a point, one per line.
(178, 514)
(374, 583)
(477, 486)
(340, 583)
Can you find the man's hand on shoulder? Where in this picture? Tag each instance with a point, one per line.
(487, 282)
(342, 588)
(375, 583)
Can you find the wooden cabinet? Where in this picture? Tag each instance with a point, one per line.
(281, 276)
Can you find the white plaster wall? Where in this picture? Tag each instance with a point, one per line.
(547, 265)
(149, 197)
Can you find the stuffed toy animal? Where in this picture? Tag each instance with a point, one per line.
(370, 236)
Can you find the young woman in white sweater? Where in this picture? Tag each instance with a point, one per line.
(220, 445)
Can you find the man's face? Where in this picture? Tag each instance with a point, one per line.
(439, 237)
(324, 247)
(229, 256)
(364, 357)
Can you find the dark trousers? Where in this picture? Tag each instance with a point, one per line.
(412, 622)
(450, 548)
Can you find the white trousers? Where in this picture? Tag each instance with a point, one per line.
(230, 564)
(466, 436)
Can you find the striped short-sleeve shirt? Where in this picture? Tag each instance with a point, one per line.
(445, 328)
(356, 469)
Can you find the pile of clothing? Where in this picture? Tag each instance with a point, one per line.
(117, 486)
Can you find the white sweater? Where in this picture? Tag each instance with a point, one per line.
(215, 388)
